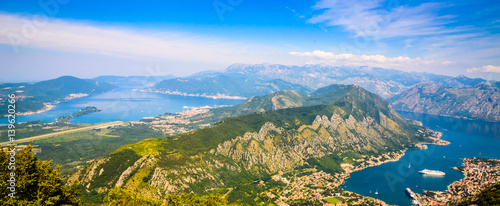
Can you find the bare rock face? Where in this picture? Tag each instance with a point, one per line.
(256, 145)
(259, 151)
(480, 102)
(269, 150)
(137, 165)
(85, 175)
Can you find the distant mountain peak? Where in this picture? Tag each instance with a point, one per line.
(485, 85)
(384, 82)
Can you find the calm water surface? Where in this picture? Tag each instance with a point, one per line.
(468, 139)
(125, 105)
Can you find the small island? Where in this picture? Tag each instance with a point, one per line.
(63, 119)
(86, 110)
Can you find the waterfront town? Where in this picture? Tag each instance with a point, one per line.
(178, 123)
(312, 184)
(479, 174)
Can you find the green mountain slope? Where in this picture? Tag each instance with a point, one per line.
(489, 196)
(289, 99)
(479, 102)
(33, 97)
(240, 150)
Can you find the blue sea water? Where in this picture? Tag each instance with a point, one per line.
(123, 104)
(468, 139)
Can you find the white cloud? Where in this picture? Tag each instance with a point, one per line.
(317, 57)
(71, 36)
(487, 68)
(468, 49)
(380, 19)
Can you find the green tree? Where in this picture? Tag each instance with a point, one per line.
(36, 183)
(185, 199)
(489, 196)
(122, 197)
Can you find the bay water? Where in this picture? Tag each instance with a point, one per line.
(123, 104)
(469, 138)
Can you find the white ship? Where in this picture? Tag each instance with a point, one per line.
(432, 172)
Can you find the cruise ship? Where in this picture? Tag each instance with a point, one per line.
(432, 172)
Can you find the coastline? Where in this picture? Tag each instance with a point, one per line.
(394, 156)
(397, 155)
(445, 115)
(372, 162)
(50, 105)
(479, 174)
(47, 107)
(303, 187)
(217, 96)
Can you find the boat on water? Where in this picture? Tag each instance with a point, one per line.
(432, 172)
(410, 193)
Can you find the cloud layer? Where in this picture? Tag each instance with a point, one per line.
(317, 56)
(383, 19)
(487, 68)
(53, 34)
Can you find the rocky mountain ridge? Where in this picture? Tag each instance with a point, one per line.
(243, 149)
(481, 101)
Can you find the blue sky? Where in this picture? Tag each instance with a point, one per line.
(91, 38)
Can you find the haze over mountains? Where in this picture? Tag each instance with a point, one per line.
(396, 86)
(384, 82)
(133, 81)
(229, 85)
(245, 81)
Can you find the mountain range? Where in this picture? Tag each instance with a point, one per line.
(318, 131)
(481, 101)
(402, 89)
(384, 82)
